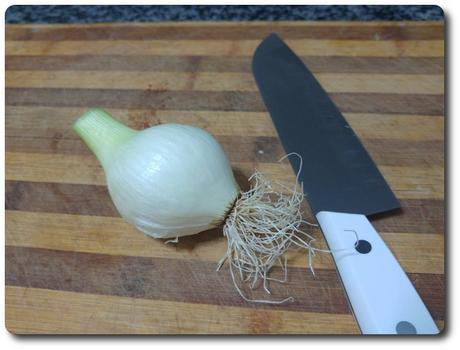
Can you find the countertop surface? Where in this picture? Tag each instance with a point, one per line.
(148, 13)
(74, 266)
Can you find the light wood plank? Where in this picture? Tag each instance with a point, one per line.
(31, 310)
(417, 252)
(304, 47)
(176, 81)
(406, 182)
(81, 169)
(49, 121)
(96, 314)
(317, 64)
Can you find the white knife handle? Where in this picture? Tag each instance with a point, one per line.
(383, 298)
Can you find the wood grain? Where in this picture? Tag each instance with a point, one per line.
(73, 266)
(86, 313)
(119, 63)
(310, 47)
(427, 104)
(417, 215)
(109, 235)
(30, 121)
(263, 149)
(406, 182)
(184, 280)
(164, 279)
(193, 81)
(232, 32)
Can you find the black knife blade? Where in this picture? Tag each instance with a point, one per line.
(338, 174)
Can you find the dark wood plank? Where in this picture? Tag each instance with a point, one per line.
(189, 281)
(184, 280)
(59, 198)
(208, 100)
(416, 216)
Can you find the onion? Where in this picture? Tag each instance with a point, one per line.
(170, 180)
(173, 180)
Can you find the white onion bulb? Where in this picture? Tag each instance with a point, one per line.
(169, 180)
(174, 180)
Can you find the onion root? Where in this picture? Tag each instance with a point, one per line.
(264, 223)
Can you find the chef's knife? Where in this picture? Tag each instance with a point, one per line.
(342, 185)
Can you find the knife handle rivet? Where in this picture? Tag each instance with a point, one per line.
(363, 246)
(405, 327)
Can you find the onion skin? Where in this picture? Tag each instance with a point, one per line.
(175, 180)
(169, 180)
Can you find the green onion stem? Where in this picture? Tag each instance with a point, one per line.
(102, 133)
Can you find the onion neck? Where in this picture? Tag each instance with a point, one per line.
(102, 133)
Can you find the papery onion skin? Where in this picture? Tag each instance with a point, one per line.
(169, 180)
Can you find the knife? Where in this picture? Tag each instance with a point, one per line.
(343, 186)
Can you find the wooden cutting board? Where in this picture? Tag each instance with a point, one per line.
(74, 266)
